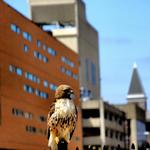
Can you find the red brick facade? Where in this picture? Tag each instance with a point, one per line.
(32, 65)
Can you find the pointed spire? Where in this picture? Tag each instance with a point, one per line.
(135, 84)
(136, 91)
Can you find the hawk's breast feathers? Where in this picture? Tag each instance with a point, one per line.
(62, 116)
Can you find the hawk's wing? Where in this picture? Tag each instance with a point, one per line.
(52, 109)
(76, 117)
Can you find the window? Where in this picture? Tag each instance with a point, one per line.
(40, 56)
(45, 83)
(38, 43)
(28, 89)
(121, 136)
(15, 28)
(51, 51)
(106, 115)
(27, 36)
(63, 69)
(110, 116)
(41, 94)
(32, 77)
(53, 87)
(85, 94)
(37, 92)
(11, 68)
(93, 74)
(90, 113)
(87, 131)
(45, 59)
(75, 76)
(106, 132)
(116, 118)
(67, 61)
(44, 47)
(17, 70)
(17, 112)
(28, 115)
(120, 121)
(111, 133)
(25, 48)
(42, 118)
(68, 72)
(30, 129)
(117, 134)
(29, 76)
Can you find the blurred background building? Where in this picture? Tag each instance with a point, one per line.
(68, 23)
(103, 124)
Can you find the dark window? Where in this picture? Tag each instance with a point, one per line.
(42, 119)
(25, 48)
(38, 43)
(106, 132)
(120, 121)
(116, 118)
(90, 113)
(91, 132)
(111, 133)
(28, 88)
(31, 129)
(116, 135)
(45, 59)
(41, 94)
(106, 115)
(110, 116)
(40, 56)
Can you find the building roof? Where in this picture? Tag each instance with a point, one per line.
(136, 87)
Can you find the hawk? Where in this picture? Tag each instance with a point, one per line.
(62, 117)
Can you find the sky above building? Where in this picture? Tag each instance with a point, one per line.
(124, 38)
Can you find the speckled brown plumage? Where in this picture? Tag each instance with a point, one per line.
(62, 117)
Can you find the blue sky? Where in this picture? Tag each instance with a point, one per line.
(124, 38)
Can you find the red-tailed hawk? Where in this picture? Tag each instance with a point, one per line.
(62, 117)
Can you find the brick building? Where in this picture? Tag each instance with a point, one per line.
(32, 64)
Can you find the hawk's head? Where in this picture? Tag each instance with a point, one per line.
(64, 91)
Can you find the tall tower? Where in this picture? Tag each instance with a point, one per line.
(136, 93)
(68, 17)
